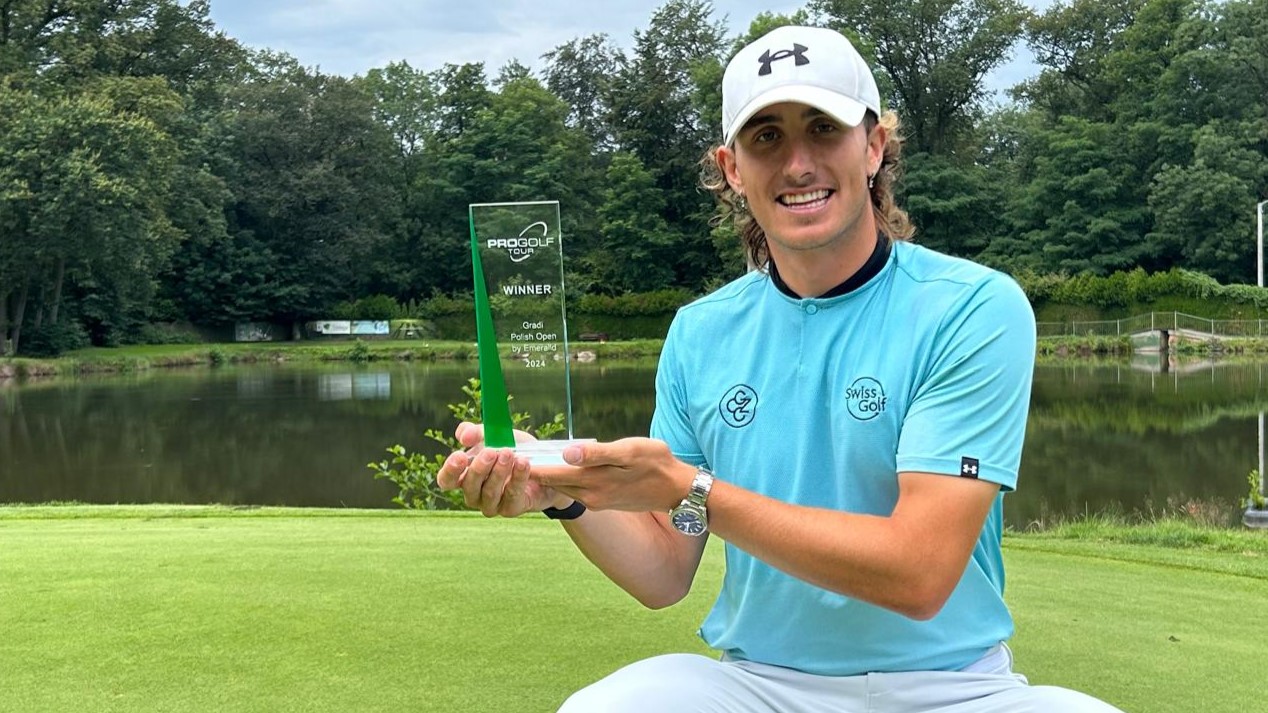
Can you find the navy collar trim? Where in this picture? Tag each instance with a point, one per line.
(870, 269)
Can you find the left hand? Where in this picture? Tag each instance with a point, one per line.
(632, 474)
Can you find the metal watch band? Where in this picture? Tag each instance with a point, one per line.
(701, 486)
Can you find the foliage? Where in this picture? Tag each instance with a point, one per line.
(414, 473)
(52, 340)
(1255, 497)
(374, 307)
(642, 304)
(153, 170)
(1136, 287)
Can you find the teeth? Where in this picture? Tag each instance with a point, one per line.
(800, 198)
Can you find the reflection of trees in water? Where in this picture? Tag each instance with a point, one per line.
(260, 434)
(1101, 437)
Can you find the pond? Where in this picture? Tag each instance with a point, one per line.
(1127, 436)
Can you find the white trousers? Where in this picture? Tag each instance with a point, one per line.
(688, 683)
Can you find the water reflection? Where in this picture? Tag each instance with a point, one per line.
(339, 387)
(1127, 435)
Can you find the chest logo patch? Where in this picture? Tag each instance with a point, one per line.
(865, 398)
(739, 406)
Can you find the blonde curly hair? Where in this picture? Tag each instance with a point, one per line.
(891, 220)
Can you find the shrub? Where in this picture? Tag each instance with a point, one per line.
(414, 474)
(52, 340)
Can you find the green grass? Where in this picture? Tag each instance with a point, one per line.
(157, 608)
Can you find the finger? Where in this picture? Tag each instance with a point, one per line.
(479, 470)
(449, 477)
(513, 498)
(469, 434)
(559, 476)
(495, 485)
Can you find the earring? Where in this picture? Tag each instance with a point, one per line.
(742, 203)
(871, 181)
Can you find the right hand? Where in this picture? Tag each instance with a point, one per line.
(494, 480)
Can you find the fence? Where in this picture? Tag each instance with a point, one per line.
(1154, 321)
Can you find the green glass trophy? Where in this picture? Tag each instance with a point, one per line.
(517, 263)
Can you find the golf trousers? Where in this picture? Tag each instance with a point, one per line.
(688, 683)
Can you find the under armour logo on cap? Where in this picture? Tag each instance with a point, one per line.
(798, 51)
(968, 467)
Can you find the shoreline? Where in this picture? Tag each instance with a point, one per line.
(130, 359)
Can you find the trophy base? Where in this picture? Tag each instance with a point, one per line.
(547, 452)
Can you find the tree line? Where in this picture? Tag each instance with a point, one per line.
(153, 170)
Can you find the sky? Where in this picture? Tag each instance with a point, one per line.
(348, 37)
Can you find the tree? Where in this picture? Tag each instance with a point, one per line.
(84, 178)
(934, 56)
(581, 72)
(636, 241)
(655, 117)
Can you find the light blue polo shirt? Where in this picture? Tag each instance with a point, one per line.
(821, 402)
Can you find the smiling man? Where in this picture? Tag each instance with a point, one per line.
(847, 419)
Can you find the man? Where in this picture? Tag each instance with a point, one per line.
(847, 420)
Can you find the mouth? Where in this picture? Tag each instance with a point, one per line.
(809, 200)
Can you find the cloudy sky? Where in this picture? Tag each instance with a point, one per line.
(351, 36)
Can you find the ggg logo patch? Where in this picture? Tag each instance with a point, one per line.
(739, 406)
(865, 398)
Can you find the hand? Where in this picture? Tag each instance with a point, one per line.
(634, 474)
(494, 480)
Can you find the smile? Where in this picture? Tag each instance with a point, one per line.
(812, 199)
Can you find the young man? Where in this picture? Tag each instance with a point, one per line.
(847, 420)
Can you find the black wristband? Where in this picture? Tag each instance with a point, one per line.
(572, 512)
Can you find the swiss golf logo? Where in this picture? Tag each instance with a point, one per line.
(865, 398)
(522, 247)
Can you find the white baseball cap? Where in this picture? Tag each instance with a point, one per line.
(809, 65)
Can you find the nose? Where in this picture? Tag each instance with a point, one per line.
(799, 164)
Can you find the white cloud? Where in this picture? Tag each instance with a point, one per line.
(352, 36)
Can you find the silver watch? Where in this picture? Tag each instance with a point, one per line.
(691, 516)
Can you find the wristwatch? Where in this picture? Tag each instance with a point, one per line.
(691, 517)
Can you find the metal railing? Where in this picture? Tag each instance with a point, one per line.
(1155, 321)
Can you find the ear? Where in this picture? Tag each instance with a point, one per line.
(876, 148)
(726, 161)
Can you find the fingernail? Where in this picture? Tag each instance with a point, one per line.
(572, 454)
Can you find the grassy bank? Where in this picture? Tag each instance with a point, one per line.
(140, 358)
(201, 609)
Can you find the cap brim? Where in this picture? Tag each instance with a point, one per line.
(838, 106)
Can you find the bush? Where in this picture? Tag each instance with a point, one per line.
(415, 473)
(52, 340)
(375, 307)
(637, 304)
(165, 334)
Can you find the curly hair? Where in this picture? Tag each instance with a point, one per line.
(891, 220)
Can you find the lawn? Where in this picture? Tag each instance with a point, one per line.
(213, 609)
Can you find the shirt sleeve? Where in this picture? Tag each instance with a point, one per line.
(968, 415)
(671, 421)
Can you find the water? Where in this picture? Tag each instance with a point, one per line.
(1101, 436)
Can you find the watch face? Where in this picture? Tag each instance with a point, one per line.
(688, 522)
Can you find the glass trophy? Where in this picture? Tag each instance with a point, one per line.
(521, 324)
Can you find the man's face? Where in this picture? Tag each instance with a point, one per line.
(804, 175)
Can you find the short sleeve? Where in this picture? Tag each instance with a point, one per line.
(671, 421)
(967, 417)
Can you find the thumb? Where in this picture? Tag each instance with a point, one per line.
(469, 434)
(575, 455)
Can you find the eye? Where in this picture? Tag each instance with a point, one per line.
(823, 127)
(765, 135)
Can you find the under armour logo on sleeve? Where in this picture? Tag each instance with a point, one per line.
(798, 51)
(968, 467)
